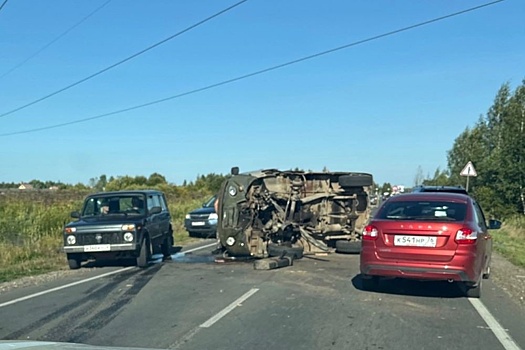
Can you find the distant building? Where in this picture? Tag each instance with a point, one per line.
(53, 188)
(25, 186)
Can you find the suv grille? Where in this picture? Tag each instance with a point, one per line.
(107, 238)
(199, 216)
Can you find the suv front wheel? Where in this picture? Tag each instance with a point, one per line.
(73, 260)
(145, 252)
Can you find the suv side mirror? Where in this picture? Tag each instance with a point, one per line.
(75, 214)
(494, 224)
(155, 210)
(234, 170)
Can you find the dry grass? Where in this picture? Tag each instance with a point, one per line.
(510, 240)
(19, 260)
(31, 232)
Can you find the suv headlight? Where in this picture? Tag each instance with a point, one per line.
(128, 237)
(71, 240)
(187, 216)
(213, 216)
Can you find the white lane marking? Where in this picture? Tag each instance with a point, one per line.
(64, 286)
(504, 338)
(10, 345)
(212, 320)
(228, 308)
(31, 296)
(198, 248)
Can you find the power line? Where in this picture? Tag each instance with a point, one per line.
(3, 4)
(124, 60)
(55, 40)
(262, 71)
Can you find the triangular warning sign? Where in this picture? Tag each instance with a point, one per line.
(468, 170)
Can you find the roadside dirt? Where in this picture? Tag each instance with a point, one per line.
(40, 279)
(509, 277)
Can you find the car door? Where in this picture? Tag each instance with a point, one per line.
(164, 216)
(153, 220)
(485, 235)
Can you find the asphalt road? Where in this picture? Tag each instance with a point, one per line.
(195, 303)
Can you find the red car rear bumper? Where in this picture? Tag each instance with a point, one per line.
(460, 268)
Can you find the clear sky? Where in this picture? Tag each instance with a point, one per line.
(383, 107)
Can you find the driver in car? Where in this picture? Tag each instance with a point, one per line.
(137, 204)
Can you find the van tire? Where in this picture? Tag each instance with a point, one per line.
(287, 250)
(348, 247)
(355, 180)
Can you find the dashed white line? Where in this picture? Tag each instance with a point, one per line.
(228, 308)
(504, 338)
(31, 296)
(199, 248)
(212, 320)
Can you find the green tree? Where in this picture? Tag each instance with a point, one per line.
(387, 187)
(441, 178)
(37, 184)
(419, 178)
(496, 146)
(156, 179)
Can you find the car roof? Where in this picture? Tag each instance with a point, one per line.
(126, 192)
(440, 196)
(454, 189)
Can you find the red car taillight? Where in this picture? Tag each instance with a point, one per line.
(466, 236)
(370, 233)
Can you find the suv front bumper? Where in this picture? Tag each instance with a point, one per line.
(102, 248)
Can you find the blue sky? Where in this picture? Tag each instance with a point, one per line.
(383, 107)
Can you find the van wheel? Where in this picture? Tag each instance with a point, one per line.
(349, 247)
(73, 261)
(287, 250)
(355, 180)
(145, 253)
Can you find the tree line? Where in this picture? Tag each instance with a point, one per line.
(202, 185)
(495, 144)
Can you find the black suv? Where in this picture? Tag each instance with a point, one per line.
(450, 189)
(202, 222)
(119, 225)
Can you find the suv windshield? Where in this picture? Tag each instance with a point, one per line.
(210, 203)
(111, 205)
(424, 210)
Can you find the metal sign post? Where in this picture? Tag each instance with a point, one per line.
(468, 171)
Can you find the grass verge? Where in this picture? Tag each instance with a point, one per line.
(509, 241)
(31, 233)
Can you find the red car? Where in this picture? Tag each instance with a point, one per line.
(428, 236)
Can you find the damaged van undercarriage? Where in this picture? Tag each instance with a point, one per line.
(266, 213)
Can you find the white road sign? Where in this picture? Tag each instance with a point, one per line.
(469, 170)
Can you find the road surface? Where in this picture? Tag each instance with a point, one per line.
(194, 303)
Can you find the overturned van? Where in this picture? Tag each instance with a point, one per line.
(271, 212)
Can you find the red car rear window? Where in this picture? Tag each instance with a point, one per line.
(423, 210)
